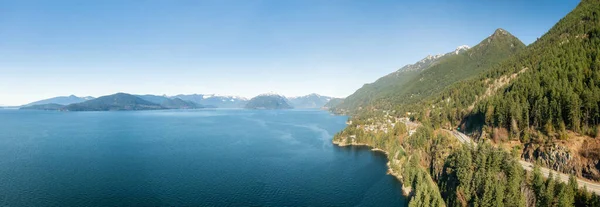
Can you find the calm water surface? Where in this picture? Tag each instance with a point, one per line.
(186, 158)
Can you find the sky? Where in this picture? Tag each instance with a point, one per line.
(239, 47)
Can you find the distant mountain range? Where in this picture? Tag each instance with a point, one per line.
(123, 101)
(268, 101)
(119, 102)
(177, 103)
(217, 101)
(312, 100)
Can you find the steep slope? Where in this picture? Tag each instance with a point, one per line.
(312, 100)
(115, 102)
(482, 57)
(562, 83)
(333, 103)
(545, 100)
(62, 100)
(550, 87)
(392, 82)
(540, 102)
(553, 108)
(268, 101)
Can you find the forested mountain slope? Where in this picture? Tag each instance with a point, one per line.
(540, 104)
(411, 86)
(545, 100)
(541, 95)
(561, 88)
(391, 82)
(489, 52)
(552, 84)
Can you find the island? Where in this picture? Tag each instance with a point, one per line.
(268, 101)
(115, 102)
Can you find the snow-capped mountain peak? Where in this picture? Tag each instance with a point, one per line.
(461, 48)
(270, 94)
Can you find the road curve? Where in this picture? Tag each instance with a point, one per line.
(591, 186)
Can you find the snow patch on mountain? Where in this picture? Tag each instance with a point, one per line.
(461, 49)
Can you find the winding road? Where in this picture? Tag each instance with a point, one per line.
(591, 186)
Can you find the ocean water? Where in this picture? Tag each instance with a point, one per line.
(187, 158)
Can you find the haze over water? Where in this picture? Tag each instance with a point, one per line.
(186, 158)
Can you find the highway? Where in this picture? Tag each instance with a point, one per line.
(591, 186)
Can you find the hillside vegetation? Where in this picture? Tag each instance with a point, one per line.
(410, 86)
(538, 103)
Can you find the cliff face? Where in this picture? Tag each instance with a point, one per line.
(563, 159)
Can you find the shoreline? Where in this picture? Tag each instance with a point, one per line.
(406, 191)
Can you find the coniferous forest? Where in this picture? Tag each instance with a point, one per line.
(517, 102)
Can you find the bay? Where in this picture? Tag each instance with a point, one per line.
(213, 157)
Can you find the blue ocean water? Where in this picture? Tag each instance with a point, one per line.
(186, 158)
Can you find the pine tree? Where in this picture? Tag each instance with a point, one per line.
(538, 185)
(566, 196)
(550, 191)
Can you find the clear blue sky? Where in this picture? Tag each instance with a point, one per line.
(243, 47)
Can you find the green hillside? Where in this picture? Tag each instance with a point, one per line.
(541, 105)
(546, 98)
(489, 52)
(551, 86)
(404, 87)
(374, 91)
(561, 88)
(333, 102)
(391, 82)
